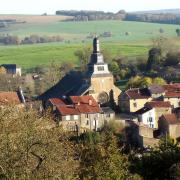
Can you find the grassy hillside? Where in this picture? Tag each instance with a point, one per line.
(29, 56)
(132, 45)
(78, 31)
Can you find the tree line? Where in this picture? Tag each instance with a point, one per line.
(32, 39)
(166, 18)
(92, 15)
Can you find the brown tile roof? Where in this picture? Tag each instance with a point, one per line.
(171, 87)
(9, 98)
(81, 104)
(172, 90)
(67, 110)
(158, 104)
(85, 109)
(171, 118)
(172, 94)
(83, 100)
(138, 93)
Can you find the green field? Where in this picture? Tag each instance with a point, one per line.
(77, 31)
(28, 56)
(135, 44)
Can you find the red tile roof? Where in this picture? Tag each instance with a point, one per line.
(158, 104)
(9, 98)
(85, 109)
(172, 94)
(83, 100)
(172, 90)
(67, 110)
(57, 101)
(81, 104)
(138, 93)
(171, 118)
(172, 87)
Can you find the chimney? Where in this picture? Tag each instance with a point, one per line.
(21, 95)
(90, 102)
(138, 91)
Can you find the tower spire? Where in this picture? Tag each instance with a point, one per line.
(97, 66)
(96, 45)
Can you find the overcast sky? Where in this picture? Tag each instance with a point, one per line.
(50, 6)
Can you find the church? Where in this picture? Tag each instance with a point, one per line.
(98, 82)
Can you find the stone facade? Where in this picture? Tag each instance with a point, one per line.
(100, 79)
(170, 124)
(80, 113)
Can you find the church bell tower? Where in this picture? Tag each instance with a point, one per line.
(101, 80)
(97, 66)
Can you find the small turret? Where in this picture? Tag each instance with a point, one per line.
(96, 45)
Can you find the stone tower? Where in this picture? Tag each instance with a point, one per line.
(100, 79)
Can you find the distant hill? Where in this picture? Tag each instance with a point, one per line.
(171, 16)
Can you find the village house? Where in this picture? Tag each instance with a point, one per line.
(172, 94)
(12, 69)
(146, 116)
(150, 113)
(80, 113)
(157, 92)
(160, 108)
(169, 124)
(134, 99)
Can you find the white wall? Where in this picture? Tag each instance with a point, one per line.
(144, 118)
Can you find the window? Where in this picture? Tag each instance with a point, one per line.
(95, 123)
(108, 115)
(68, 118)
(100, 68)
(150, 119)
(86, 116)
(87, 122)
(135, 105)
(75, 117)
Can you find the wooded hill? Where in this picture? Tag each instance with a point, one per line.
(165, 17)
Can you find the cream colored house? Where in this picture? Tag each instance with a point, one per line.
(134, 99)
(172, 94)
